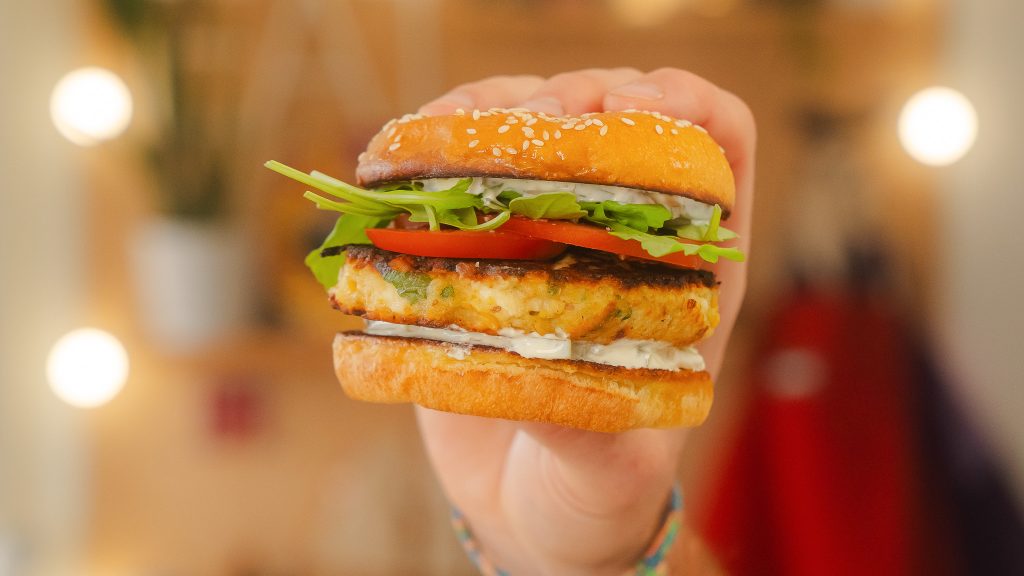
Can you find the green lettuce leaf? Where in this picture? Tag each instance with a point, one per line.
(637, 216)
(713, 231)
(325, 262)
(553, 205)
(649, 224)
(663, 245)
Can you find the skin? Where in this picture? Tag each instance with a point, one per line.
(548, 500)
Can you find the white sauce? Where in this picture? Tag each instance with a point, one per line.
(489, 188)
(625, 352)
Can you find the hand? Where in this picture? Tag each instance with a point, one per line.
(542, 499)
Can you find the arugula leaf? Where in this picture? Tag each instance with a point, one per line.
(457, 208)
(553, 205)
(636, 216)
(713, 231)
(325, 262)
(658, 246)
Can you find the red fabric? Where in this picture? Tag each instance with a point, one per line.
(821, 478)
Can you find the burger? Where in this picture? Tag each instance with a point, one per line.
(516, 265)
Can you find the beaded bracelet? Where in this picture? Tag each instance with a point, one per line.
(652, 564)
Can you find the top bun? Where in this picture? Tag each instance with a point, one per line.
(634, 149)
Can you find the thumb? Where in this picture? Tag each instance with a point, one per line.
(603, 473)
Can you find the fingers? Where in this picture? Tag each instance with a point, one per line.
(687, 96)
(674, 92)
(493, 92)
(574, 93)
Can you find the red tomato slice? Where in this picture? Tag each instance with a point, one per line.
(593, 237)
(464, 244)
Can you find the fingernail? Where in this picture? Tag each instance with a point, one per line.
(546, 104)
(642, 90)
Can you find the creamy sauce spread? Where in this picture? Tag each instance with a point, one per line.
(489, 188)
(624, 352)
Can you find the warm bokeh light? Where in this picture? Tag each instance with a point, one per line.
(90, 105)
(938, 126)
(87, 367)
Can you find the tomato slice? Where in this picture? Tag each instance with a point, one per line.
(593, 237)
(494, 244)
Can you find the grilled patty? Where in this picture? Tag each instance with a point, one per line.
(582, 295)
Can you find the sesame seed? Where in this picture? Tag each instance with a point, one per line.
(496, 151)
(579, 127)
(628, 121)
(683, 123)
(487, 113)
(476, 114)
(503, 128)
(511, 150)
(560, 154)
(546, 136)
(460, 112)
(674, 131)
(398, 138)
(394, 146)
(531, 121)
(598, 122)
(604, 130)
(568, 126)
(537, 142)
(528, 131)
(558, 134)
(701, 128)
(391, 133)
(511, 120)
(473, 143)
(588, 122)
(526, 144)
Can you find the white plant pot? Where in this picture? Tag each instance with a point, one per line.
(192, 281)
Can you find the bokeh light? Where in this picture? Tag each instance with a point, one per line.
(90, 105)
(938, 126)
(87, 367)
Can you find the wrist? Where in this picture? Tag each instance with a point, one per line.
(652, 562)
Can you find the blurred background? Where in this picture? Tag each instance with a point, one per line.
(167, 403)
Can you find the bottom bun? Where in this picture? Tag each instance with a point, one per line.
(491, 382)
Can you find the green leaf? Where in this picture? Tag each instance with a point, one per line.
(713, 231)
(636, 216)
(325, 262)
(659, 246)
(553, 205)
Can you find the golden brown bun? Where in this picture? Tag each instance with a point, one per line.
(498, 384)
(634, 149)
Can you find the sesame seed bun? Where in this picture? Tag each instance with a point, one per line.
(634, 149)
(498, 384)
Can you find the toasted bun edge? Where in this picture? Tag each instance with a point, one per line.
(495, 383)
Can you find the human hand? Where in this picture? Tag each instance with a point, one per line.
(543, 499)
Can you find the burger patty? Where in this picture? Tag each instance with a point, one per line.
(582, 295)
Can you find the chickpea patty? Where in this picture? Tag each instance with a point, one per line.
(582, 295)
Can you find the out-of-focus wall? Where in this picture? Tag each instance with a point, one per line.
(981, 312)
(42, 469)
